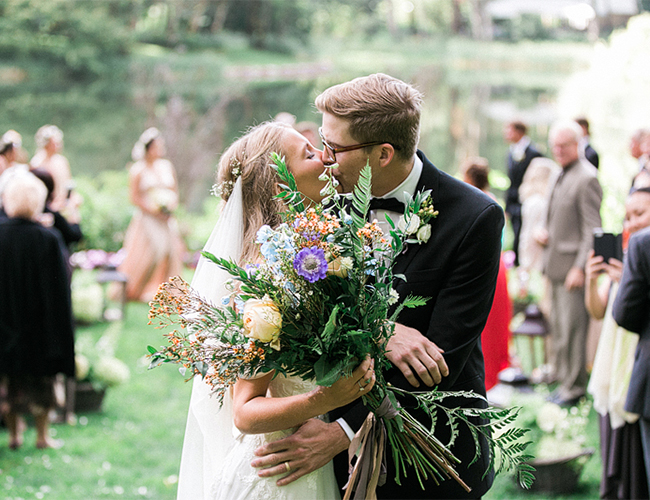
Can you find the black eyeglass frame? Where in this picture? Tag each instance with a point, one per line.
(331, 150)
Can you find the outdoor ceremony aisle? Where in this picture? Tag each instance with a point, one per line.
(130, 449)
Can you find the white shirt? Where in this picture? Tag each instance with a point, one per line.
(518, 150)
(404, 192)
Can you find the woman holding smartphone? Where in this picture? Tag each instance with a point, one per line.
(623, 474)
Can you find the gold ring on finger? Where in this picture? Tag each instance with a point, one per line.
(287, 466)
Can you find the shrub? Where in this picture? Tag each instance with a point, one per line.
(106, 210)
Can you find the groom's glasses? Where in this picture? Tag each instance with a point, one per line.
(330, 151)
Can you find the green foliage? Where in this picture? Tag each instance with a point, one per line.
(87, 297)
(132, 446)
(96, 360)
(506, 442)
(290, 194)
(106, 209)
(83, 37)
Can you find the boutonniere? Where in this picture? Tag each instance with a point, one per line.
(415, 221)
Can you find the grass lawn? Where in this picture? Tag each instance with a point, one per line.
(132, 448)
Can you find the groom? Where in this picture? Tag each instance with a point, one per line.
(376, 119)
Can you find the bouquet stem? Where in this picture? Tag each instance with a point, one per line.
(410, 443)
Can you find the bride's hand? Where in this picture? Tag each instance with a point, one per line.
(347, 389)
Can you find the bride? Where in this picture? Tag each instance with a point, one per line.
(219, 442)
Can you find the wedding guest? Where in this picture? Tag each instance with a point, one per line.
(495, 337)
(49, 140)
(642, 177)
(67, 226)
(520, 154)
(11, 159)
(36, 325)
(623, 468)
(634, 146)
(14, 137)
(11, 150)
(375, 120)
(153, 245)
(573, 213)
(534, 193)
(586, 149)
(631, 312)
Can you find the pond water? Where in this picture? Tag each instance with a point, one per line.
(200, 110)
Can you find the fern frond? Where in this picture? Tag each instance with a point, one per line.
(289, 189)
(361, 197)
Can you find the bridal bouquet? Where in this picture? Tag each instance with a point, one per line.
(319, 301)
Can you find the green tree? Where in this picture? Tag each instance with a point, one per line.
(83, 36)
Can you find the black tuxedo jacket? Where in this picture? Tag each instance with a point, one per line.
(631, 312)
(457, 268)
(591, 155)
(516, 171)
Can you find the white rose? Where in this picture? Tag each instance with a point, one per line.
(411, 227)
(262, 321)
(393, 297)
(424, 233)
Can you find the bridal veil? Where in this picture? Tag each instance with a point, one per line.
(208, 434)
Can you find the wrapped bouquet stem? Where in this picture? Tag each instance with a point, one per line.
(320, 299)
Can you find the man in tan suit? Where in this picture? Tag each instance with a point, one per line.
(573, 213)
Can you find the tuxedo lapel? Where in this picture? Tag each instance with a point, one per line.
(429, 179)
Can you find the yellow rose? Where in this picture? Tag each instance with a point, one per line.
(340, 267)
(262, 321)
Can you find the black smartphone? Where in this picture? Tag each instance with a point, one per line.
(609, 245)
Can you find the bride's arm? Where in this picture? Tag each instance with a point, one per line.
(254, 413)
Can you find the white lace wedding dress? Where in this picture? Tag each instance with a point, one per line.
(237, 480)
(216, 457)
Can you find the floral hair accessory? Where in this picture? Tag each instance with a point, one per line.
(224, 189)
(47, 132)
(140, 147)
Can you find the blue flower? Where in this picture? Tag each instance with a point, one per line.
(310, 263)
(264, 234)
(274, 242)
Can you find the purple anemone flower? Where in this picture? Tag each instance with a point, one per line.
(310, 263)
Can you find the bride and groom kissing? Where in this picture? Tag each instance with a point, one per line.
(270, 439)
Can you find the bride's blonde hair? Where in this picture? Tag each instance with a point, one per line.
(250, 157)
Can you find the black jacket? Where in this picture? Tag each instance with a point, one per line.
(516, 171)
(36, 325)
(457, 268)
(632, 312)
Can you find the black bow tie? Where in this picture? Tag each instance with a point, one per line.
(390, 204)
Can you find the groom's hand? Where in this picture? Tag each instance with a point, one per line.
(412, 352)
(312, 446)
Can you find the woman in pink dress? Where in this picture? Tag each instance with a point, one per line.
(153, 245)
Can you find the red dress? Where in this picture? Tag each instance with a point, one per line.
(496, 334)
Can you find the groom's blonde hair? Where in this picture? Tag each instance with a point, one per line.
(378, 108)
(250, 157)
